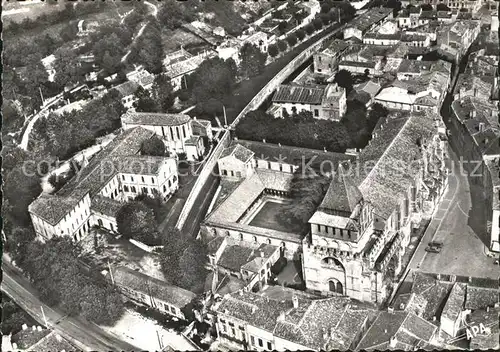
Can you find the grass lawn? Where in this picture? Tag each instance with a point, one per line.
(268, 218)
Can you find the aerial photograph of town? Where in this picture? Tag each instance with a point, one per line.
(273, 175)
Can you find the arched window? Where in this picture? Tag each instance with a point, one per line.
(255, 239)
(269, 241)
(340, 289)
(241, 236)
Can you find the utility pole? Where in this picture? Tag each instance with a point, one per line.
(225, 117)
(44, 317)
(111, 273)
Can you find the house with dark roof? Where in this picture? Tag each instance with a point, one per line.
(326, 61)
(114, 175)
(127, 91)
(365, 22)
(236, 162)
(152, 292)
(36, 338)
(251, 321)
(324, 102)
(175, 130)
(397, 330)
(249, 262)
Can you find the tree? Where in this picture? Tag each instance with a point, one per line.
(309, 29)
(66, 66)
(149, 48)
(94, 298)
(292, 39)
(317, 23)
(344, 79)
(253, 60)
(273, 50)
(426, 7)
(214, 78)
(442, 7)
(21, 188)
(135, 220)
(174, 243)
(163, 92)
(19, 240)
(192, 266)
(282, 46)
(153, 146)
(377, 112)
(145, 103)
(282, 26)
(300, 33)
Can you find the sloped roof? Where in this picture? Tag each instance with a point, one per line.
(342, 194)
(240, 152)
(288, 93)
(455, 302)
(236, 257)
(481, 297)
(369, 87)
(151, 286)
(156, 119)
(105, 205)
(127, 88)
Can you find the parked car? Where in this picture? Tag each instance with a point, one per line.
(433, 249)
(437, 244)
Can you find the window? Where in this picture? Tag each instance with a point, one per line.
(269, 346)
(224, 172)
(169, 183)
(241, 236)
(132, 188)
(178, 133)
(99, 221)
(238, 174)
(142, 179)
(152, 180)
(252, 340)
(260, 343)
(269, 165)
(132, 178)
(123, 177)
(144, 190)
(255, 239)
(281, 167)
(232, 173)
(184, 131)
(316, 112)
(164, 188)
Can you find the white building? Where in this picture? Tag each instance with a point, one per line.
(174, 129)
(181, 63)
(324, 102)
(115, 175)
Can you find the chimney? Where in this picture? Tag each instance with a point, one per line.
(282, 316)
(487, 309)
(393, 342)
(261, 254)
(24, 327)
(263, 141)
(481, 126)
(33, 328)
(295, 301)
(241, 292)
(325, 335)
(279, 144)
(39, 328)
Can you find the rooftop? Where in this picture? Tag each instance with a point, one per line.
(127, 88)
(105, 205)
(91, 179)
(151, 286)
(330, 323)
(236, 257)
(369, 18)
(238, 151)
(155, 119)
(289, 93)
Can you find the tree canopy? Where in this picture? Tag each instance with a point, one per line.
(344, 79)
(252, 60)
(136, 220)
(154, 147)
(162, 92)
(213, 79)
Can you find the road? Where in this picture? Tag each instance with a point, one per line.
(85, 335)
(200, 206)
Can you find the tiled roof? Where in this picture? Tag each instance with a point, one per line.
(473, 84)
(295, 155)
(240, 152)
(231, 209)
(455, 302)
(318, 324)
(139, 164)
(92, 178)
(408, 328)
(127, 88)
(105, 205)
(415, 66)
(53, 342)
(214, 245)
(179, 68)
(368, 52)
(357, 64)
(342, 194)
(369, 87)
(369, 18)
(383, 36)
(236, 257)
(387, 181)
(335, 46)
(155, 119)
(299, 94)
(489, 319)
(193, 140)
(480, 297)
(150, 286)
(29, 337)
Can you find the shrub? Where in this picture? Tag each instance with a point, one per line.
(273, 50)
(309, 29)
(282, 46)
(292, 39)
(300, 33)
(317, 23)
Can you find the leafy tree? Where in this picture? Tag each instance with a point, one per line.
(135, 220)
(442, 7)
(68, 71)
(68, 33)
(292, 39)
(12, 119)
(172, 13)
(377, 112)
(344, 79)
(21, 188)
(307, 190)
(149, 48)
(145, 102)
(426, 7)
(253, 60)
(192, 265)
(326, 18)
(356, 123)
(153, 146)
(19, 240)
(282, 26)
(309, 29)
(273, 50)
(300, 33)
(317, 23)
(214, 78)
(94, 297)
(163, 92)
(282, 46)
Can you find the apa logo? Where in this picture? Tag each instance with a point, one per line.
(474, 330)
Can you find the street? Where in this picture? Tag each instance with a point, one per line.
(85, 335)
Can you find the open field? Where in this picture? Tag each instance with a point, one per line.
(19, 11)
(172, 40)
